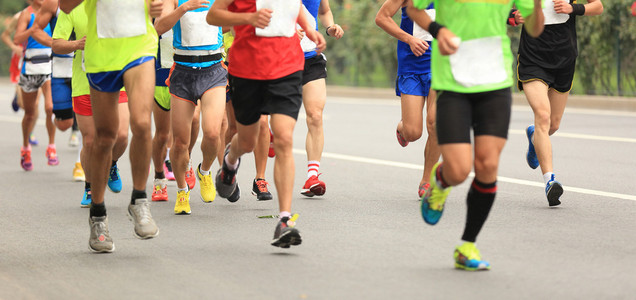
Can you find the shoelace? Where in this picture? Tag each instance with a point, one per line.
(144, 213)
(100, 228)
(262, 185)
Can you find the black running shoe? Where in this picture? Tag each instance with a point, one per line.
(259, 189)
(285, 234)
(225, 180)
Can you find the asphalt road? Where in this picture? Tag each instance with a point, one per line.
(364, 239)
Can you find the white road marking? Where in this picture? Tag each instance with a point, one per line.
(499, 178)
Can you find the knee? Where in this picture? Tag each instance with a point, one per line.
(542, 120)
(211, 136)
(105, 138)
(246, 145)
(314, 118)
(411, 133)
(455, 174)
(554, 125)
(283, 142)
(63, 125)
(161, 137)
(140, 127)
(122, 137)
(486, 165)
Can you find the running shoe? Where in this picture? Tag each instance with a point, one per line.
(14, 103)
(73, 141)
(313, 187)
(553, 191)
(285, 234)
(424, 187)
(531, 155)
(182, 206)
(271, 152)
(32, 140)
(167, 169)
(100, 240)
(208, 192)
(51, 156)
(139, 214)
(160, 190)
(432, 205)
(87, 199)
(189, 177)
(467, 257)
(259, 189)
(25, 160)
(114, 181)
(236, 195)
(401, 140)
(78, 172)
(225, 180)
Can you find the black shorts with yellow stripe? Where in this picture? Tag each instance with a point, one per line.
(559, 79)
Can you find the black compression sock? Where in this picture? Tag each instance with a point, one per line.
(160, 175)
(98, 210)
(137, 195)
(87, 185)
(480, 198)
(113, 164)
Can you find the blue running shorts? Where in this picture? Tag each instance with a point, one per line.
(413, 84)
(113, 81)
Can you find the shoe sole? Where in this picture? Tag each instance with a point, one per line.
(554, 193)
(290, 238)
(135, 232)
(236, 195)
(314, 190)
(465, 268)
(528, 135)
(101, 251)
(159, 200)
(400, 139)
(183, 213)
(79, 179)
(264, 198)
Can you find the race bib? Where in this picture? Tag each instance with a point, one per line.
(166, 49)
(306, 44)
(550, 16)
(120, 18)
(38, 61)
(479, 62)
(62, 67)
(195, 30)
(284, 17)
(419, 32)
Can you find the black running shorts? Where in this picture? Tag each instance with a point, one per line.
(315, 68)
(253, 98)
(487, 113)
(557, 79)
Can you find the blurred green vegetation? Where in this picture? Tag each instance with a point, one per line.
(366, 55)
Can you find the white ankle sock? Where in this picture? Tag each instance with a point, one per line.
(312, 168)
(547, 177)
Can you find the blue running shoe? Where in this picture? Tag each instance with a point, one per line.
(86, 200)
(553, 191)
(531, 156)
(14, 103)
(114, 181)
(467, 258)
(32, 140)
(432, 204)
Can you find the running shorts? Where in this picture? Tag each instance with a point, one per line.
(190, 84)
(31, 83)
(557, 79)
(413, 84)
(162, 97)
(315, 68)
(82, 104)
(113, 81)
(253, 98)
(487, 113)
(62, 100)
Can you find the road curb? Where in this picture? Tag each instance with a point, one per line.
(574, 101)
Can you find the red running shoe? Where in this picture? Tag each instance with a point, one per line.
(313, 187)
(190, 179)
(25, 160)
(401, 139)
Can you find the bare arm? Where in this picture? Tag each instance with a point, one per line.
(384, 19)
(534, 22)
(446, 40)
(68, 5)
(6, 36)
(592, 8)
(21, 32)
(220, 16)
(326, 18)
(62, 46)
(171, 13)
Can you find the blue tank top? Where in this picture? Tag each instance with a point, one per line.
(179, 36)
(32, 43)
(408, 63)
(161, 74)
(312, 6)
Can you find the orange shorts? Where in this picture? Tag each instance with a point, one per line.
(82, 104)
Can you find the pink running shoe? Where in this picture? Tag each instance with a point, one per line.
(25, 160)
(51, 155)
(167, 170)
(401, 139)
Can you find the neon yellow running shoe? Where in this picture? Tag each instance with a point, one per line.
(182, 206)
(467, 257)
(208, 192)
(432, 204)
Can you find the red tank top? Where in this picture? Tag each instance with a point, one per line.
(262, 58)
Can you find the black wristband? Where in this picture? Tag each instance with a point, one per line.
(578, 9)
(434, 28)
(327, 30)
